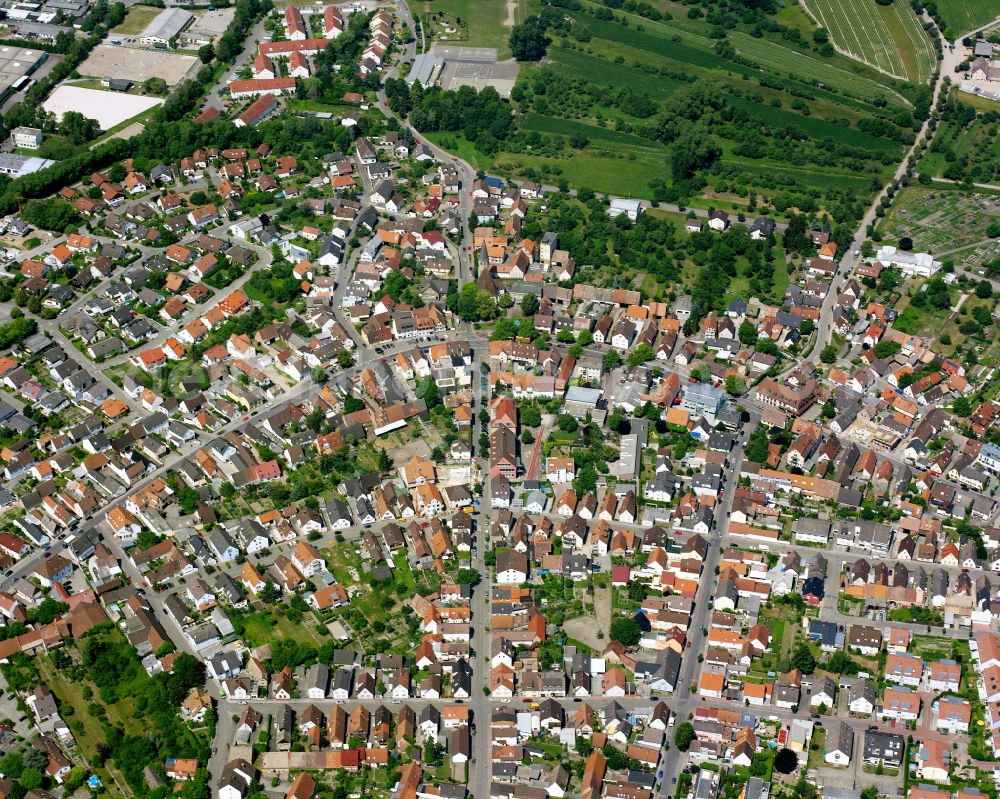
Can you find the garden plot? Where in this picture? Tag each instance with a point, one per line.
(941, 222)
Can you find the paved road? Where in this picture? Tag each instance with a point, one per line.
(849, 260)
(683, 701)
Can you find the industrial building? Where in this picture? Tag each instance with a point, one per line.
(17, 166)
(17, 63)
(167, 25)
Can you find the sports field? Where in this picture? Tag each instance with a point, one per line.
(108, 108)
(108, 61)
(887, 38)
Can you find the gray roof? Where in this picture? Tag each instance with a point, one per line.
(167, 24)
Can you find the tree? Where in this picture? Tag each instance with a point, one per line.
(962, 407)
(684, 735)
(701, 373)
(640, 355)
(384, 461)
(528, 40)
(432, 752)
(78, 128)
(567, 423)
(693, 150)
(206, 53)
(35, 758)
(984, 289)
(504, 329)
(626, 631)
(803, 659)
(155, 86)
(318, 374)
(429, 393)
(531, 415)
(12, 764)
(887, 348)
(842, 663)
(786, 760)
(529, 305)
(735, 385)
(467, 577)
(474, 304)
(612, 359)
(164, 649)
(829, 353)
(269, 594)
(31, 779)
(747, 333)
(527, 436)
(757, 445)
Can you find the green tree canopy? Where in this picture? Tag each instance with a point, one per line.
(803, 659)
(626, 631)
(684, 735)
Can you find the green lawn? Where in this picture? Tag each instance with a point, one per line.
(266, 626)
(477, 23)
(930, 648)
(70, 694)
(136, 20)
(458, 145)
(340, 559)
(625, 171)
(606, 72)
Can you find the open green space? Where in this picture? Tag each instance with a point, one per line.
(137, 20)
(930, 647)
(613, 172)
(966, 147)
(472, 23)
(265, 626)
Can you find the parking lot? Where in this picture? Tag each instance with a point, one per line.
(476, 67)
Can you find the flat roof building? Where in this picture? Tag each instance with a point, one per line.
(623, 205)
(16, 166)
(28, 138)
(16, 63)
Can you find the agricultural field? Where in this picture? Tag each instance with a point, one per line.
(944, 222)
(809, 129)
(964, 152)
(887, 38)
(815, 69)
(962, 17)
